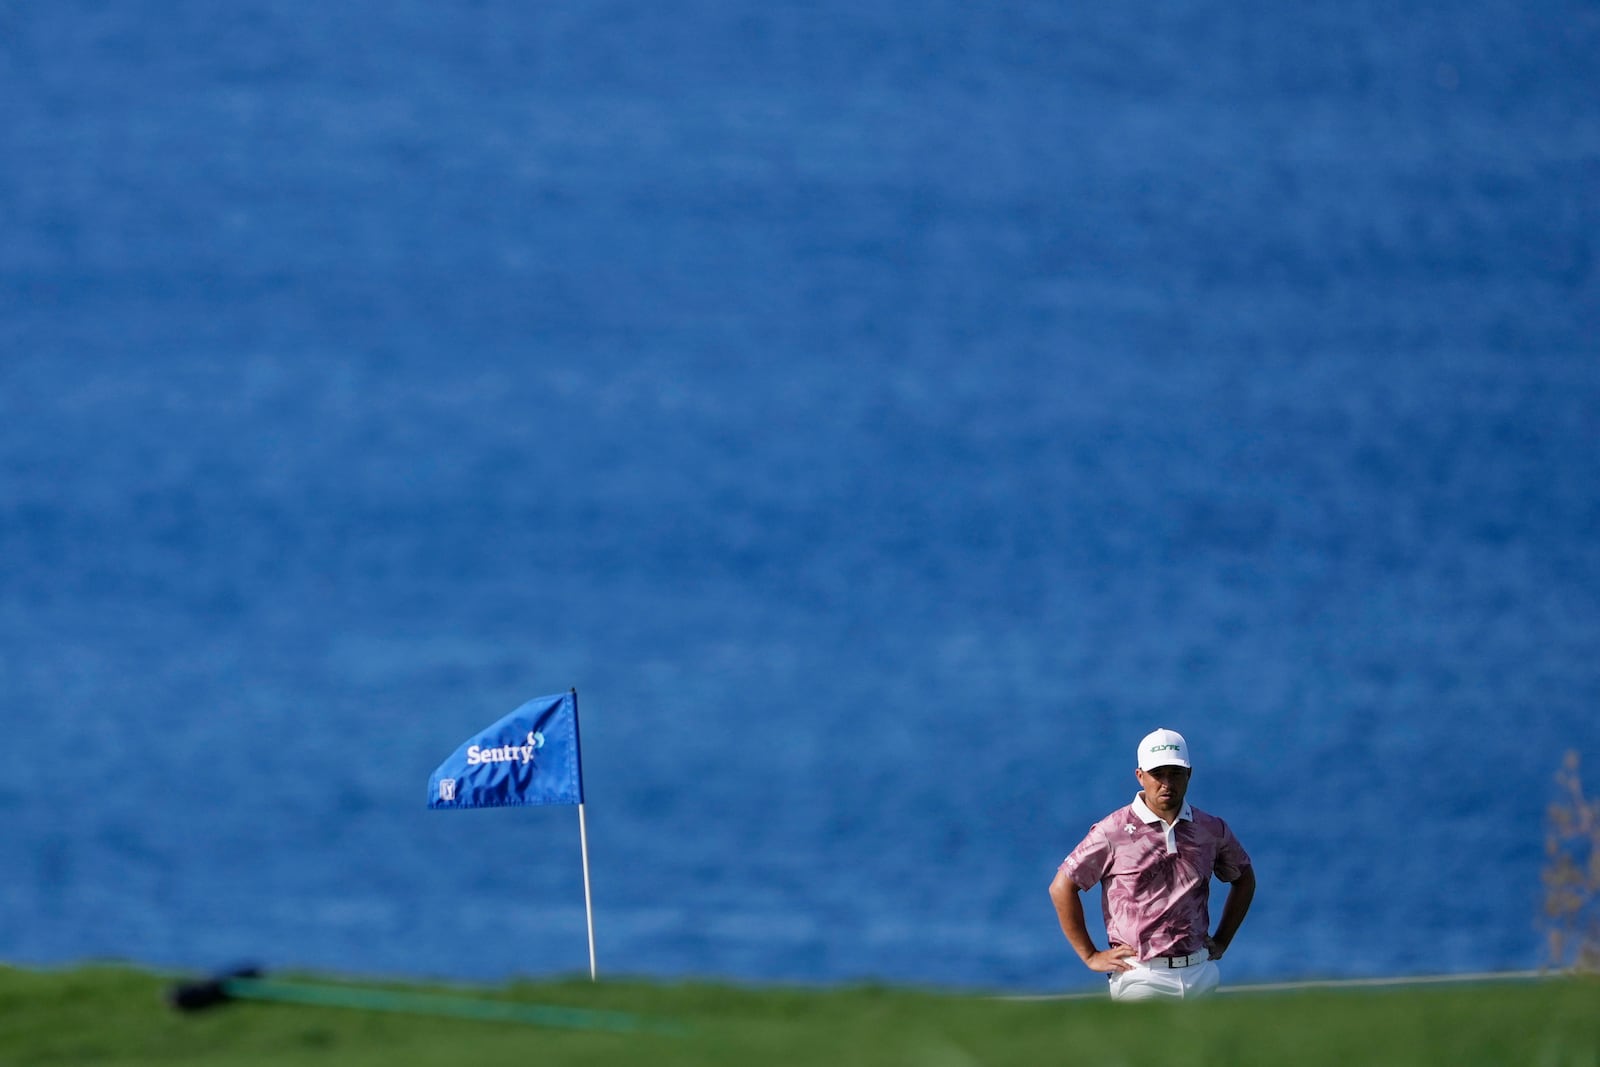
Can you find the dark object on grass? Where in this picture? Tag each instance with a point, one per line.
(246, 983)
(197, 996)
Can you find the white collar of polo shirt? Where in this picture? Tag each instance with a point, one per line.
(1143, 812)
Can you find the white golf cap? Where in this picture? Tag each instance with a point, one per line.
(1163, 748)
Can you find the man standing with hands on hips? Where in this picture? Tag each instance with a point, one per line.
(1154, 860)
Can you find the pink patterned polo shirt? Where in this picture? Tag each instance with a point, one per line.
(1155, 880)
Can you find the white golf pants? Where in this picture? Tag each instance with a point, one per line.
(1145, 982)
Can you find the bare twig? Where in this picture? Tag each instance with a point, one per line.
(1571, 874)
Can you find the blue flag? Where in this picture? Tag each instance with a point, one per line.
(528, 757)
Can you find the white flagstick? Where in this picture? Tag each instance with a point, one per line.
(588, 905)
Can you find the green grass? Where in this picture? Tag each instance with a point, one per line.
(118, 1017)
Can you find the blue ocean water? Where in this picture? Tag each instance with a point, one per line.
(882, 414)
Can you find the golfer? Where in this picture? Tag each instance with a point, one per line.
(1153, 861)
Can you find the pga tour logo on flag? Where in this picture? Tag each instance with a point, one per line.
(529, 757)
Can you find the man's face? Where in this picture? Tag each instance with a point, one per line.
(1164, 787)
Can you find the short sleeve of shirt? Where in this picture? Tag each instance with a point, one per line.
(1087, 863)
(1231, 857)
